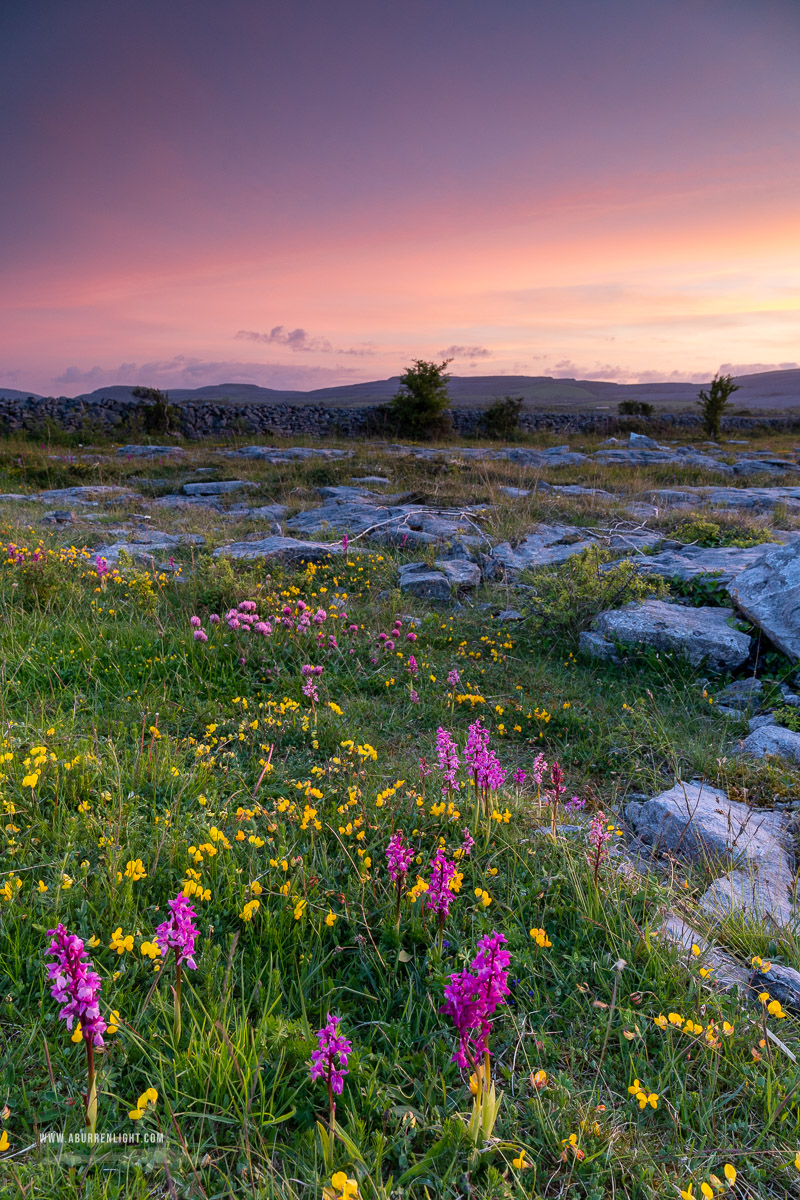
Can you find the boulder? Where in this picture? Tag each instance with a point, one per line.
(772, 739)
(757, 722)
(759, 894)
(462, 573)
(643, 442)
(700, 634)
(700, 823)
(418, 579)
(782, 983)
(594, 645)
(284, 549)
(768, 592)
(743, 693)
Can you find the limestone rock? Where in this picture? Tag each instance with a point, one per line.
(768, 592)
(275, 454)
(745, 693)
(549, 544)
(672, 498)
(552, 456)
(643, 442)
(87, 495)
(594, 645)
(285, 549)
(754, 893)
(630, 456)
(782, 983)
(462, 573)
(341, 517)
(772, 739)
(267, 512)
(135, 451)
(728, 974)
(418, 579)
(769, 466)
(759, 722)
(699, 822)
(220, 488)
(726, 562)
(701, 634)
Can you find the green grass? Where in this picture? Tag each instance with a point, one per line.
(151, 743)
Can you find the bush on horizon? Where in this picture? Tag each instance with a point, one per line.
(501, 418)
(419, 408)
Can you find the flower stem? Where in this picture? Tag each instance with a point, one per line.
(177, 1003)
(91, 1087)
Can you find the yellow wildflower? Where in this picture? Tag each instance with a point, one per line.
(121, 942)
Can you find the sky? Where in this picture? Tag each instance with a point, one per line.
(309, 194)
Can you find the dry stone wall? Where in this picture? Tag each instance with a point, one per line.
(196, 419)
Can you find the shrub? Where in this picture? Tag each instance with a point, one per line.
(701, 532)
(714, 403)
(501, 418)
(635, 408)
(570, 596)
(420, 406)
(157, 413)
(788, 716)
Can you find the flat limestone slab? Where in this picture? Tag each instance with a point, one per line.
(700, 634)
(135, 451)
(546, 545)
(724, 561)
(283, 548)
(219, 488)
(87, 495)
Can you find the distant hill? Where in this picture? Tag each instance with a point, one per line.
(13, 394)
(769, 390)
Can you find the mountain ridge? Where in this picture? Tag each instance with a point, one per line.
(778, 389)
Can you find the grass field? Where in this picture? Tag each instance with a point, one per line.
(139, 762)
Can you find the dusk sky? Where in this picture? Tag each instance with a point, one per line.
(307, 194)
